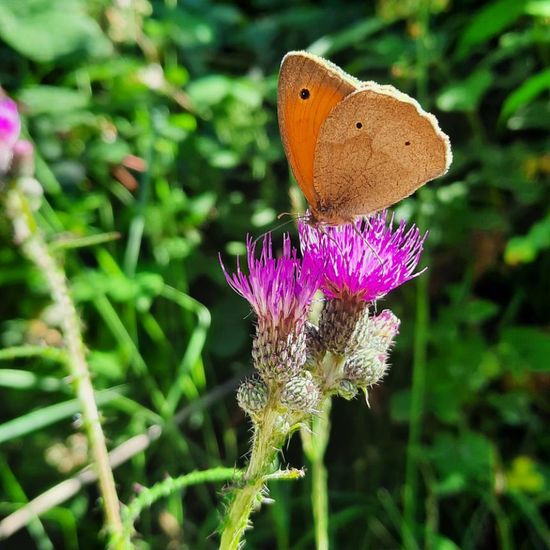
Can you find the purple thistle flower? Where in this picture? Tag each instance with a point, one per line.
(279, 290)
(10, 126)
(364, 260)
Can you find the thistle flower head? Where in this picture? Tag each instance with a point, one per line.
(10, 126)
(280, 289)
(366, 259)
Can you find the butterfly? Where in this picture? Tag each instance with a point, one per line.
(354, 147)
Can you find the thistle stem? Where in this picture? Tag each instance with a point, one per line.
(315, 445)
(416, 412)
(29, 237)
(269, 435)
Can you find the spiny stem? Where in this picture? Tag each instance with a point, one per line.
(29, 237)
(269, 435)
(416, 411)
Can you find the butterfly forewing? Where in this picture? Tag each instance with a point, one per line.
(309, 89)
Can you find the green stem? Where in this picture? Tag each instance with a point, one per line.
(417, 410)
(269, 435)
(421, 328)
(315, 445)
(28, 235)
(148, 496)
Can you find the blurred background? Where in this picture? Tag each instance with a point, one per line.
(158, 147)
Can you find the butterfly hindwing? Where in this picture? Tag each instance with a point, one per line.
(376, 147)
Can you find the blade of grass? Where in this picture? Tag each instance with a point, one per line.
(17, 494)
(28, 352)
(46, 416)
(195, 346)
(24, 380)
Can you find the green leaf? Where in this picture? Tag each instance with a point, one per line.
(467, 94)
(538, 8)
(44, 31)
(461, 461)
(525, 249)
(526, 349)
(52, 99)
(24, 379)
(489, 22)
(352, 35)
(527, 92)
(478, 311)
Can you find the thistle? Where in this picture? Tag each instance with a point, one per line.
(300, 365)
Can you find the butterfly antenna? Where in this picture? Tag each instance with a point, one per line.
(293, 217)
(377, 256)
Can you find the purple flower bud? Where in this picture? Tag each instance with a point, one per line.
(23, 158)
(382, 330)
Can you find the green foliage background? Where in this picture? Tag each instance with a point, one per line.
(155, 122)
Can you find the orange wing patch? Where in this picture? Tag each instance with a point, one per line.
(308, 91)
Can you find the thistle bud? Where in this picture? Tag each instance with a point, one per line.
(366, 367)
(301, 393)
(382, 330)
(314, 347)
(347, 389)
(343, 325)
(252, 395)
(278, 357)
(23, 159)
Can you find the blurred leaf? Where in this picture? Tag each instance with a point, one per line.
(538, 8)
(524, 475)
(520, 250)
(52, 99)
(535, 115)
(468, 459)
(528, 91)
(466, 95)
(400, 406)
(478, 311)
(45, 31)
(442, 543)
(23, 379)
(487, 23)
(330, 44)
(526, 348)
(512, 406)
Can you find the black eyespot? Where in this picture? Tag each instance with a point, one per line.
(304, 93)
(359, 126)
(407, 143)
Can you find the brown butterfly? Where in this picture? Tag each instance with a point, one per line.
(354, 147)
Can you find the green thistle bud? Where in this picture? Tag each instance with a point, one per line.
(366, 367)
(314, 347)
(301, 393)
(347, 389)
(252, 395)
(279, 357)
(343, 325)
